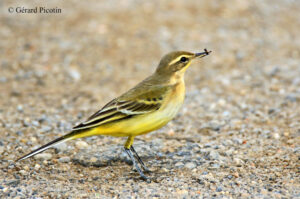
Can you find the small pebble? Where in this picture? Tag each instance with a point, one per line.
(45, 129)
(37, 167)
(61, 147)
(35, 123)
(23, 172)
(26, 168)
(238, 161)
(20, 108)
(1, 149)
(204, 173)
(171, 132)
(81, 144)
(214, 166)
(74, 74)
(93, 159)
(286, 134)
(219, 189)
(164, 170)
(214, 155)
(179, 165)
(3, 79)
(64, 159)
(33, 139)
(182, 192)
(190, 165)
(43, 156)
(276, 136)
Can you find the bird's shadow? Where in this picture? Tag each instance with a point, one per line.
(104, 160)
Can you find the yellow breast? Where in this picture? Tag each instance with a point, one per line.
(157, 119)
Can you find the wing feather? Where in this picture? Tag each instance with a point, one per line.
(124, 108)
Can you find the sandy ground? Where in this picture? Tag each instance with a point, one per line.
(236, 136)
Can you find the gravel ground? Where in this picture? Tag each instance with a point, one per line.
(236, 136)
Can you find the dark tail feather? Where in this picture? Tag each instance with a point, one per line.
(49, 145)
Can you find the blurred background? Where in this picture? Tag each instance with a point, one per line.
(58, 68)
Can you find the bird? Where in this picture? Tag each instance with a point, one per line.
(148, 106)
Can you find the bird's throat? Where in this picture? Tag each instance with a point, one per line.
(177, 78)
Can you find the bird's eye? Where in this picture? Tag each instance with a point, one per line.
(183, 59)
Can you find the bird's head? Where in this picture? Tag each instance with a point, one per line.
(176, 63)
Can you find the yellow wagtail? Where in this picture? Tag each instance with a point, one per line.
(148, 106)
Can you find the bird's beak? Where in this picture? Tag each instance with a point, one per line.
(203, 54)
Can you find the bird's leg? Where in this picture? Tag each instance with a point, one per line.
(129, 153)
(128, 144)
(139, 159)
(127, 147)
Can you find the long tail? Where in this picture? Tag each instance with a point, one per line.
(59, 140)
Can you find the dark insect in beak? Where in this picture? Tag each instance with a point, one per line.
(203, 53)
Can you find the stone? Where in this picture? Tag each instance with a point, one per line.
(74, 74)
(37, 167)
(190, 165)
(214, 155)
(81, 144)
(2, 149)
(64, 159)
(23, 172)
(179, 165)
(43, 156)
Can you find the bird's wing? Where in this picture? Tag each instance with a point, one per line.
(135, 102)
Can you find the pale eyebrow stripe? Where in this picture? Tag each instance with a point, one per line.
(177, 59)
